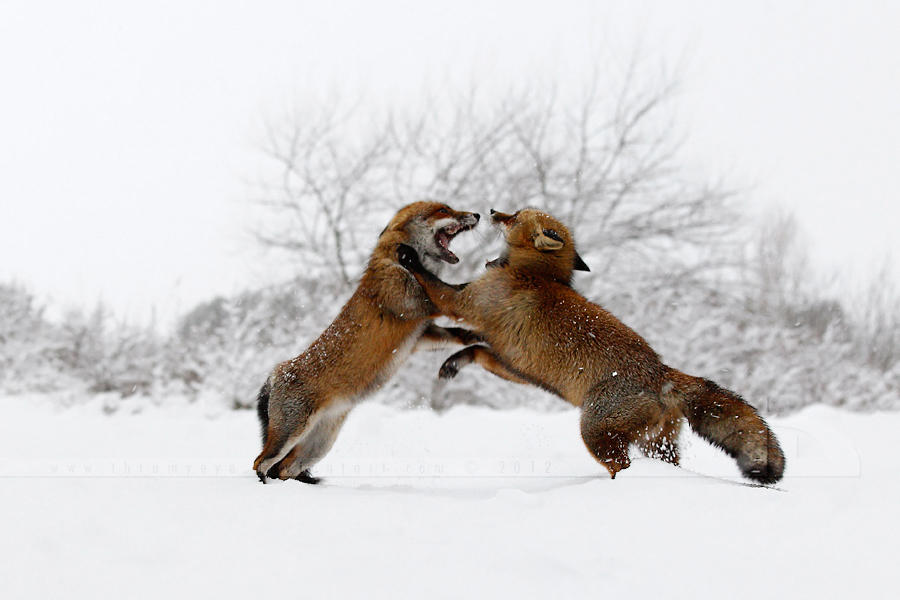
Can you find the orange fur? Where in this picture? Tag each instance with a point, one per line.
(542, 331)
(308, 397)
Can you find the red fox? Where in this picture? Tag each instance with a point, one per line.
(541, 331)
(305, 400)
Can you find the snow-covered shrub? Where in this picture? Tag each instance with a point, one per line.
(29, 345)
(109, 356)
(230, 344)
(81, 353)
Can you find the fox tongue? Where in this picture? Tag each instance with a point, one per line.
(443, 241)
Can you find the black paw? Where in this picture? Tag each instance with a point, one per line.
(449, 369)
(305, 477)
(262, 476)
(409, 258)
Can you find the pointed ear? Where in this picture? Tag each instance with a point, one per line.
(547, 240)
(580, 265)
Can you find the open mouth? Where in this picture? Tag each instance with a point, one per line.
(445, 235)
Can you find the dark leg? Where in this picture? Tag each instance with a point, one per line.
(610, 424)
(283, 430)
(312, 447)
(306, 477)
(434, 337)
(483, 356)
(661, 440)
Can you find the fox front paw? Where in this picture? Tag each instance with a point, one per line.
(458, 360)
(449, 369)
(409, 258)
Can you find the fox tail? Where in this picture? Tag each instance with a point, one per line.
(726, 421)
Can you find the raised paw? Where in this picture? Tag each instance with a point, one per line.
(458, 360)
(409, 258)
(449, 369)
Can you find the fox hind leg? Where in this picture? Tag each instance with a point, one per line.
(283, 430)
(307, 477)
(611, 423)
(661, 440)
(311, 447)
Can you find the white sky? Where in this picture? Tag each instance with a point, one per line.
(128, 131)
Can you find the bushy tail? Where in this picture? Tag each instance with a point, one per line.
(262, 410)
(725, 420)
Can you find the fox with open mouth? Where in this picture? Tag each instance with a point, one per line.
(305, 400)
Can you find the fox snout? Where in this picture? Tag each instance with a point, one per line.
(471, 219)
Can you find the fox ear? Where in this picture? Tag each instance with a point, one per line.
(580, 265)
(547, 239)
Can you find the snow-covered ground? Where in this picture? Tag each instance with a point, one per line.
(473, 502)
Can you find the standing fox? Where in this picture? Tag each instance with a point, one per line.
(305, 400)
(541, 331)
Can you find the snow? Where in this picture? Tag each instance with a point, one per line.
(472, 502)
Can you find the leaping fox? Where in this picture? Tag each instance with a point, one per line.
(540, 331)
(305, 400)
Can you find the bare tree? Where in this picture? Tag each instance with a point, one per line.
(779, 265)
(604, 159)
(325, 179)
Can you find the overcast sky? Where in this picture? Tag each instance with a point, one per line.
(128, 132)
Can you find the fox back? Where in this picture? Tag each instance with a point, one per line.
(541, 331)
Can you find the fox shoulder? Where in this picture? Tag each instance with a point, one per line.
(394, 290)
(499, 292)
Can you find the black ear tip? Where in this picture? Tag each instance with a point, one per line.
(553, 235)
(580, 265)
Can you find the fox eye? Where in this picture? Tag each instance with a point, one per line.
(551, 233)
(442, 211)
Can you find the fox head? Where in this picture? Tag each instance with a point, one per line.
(538, 242)
(429, 227)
